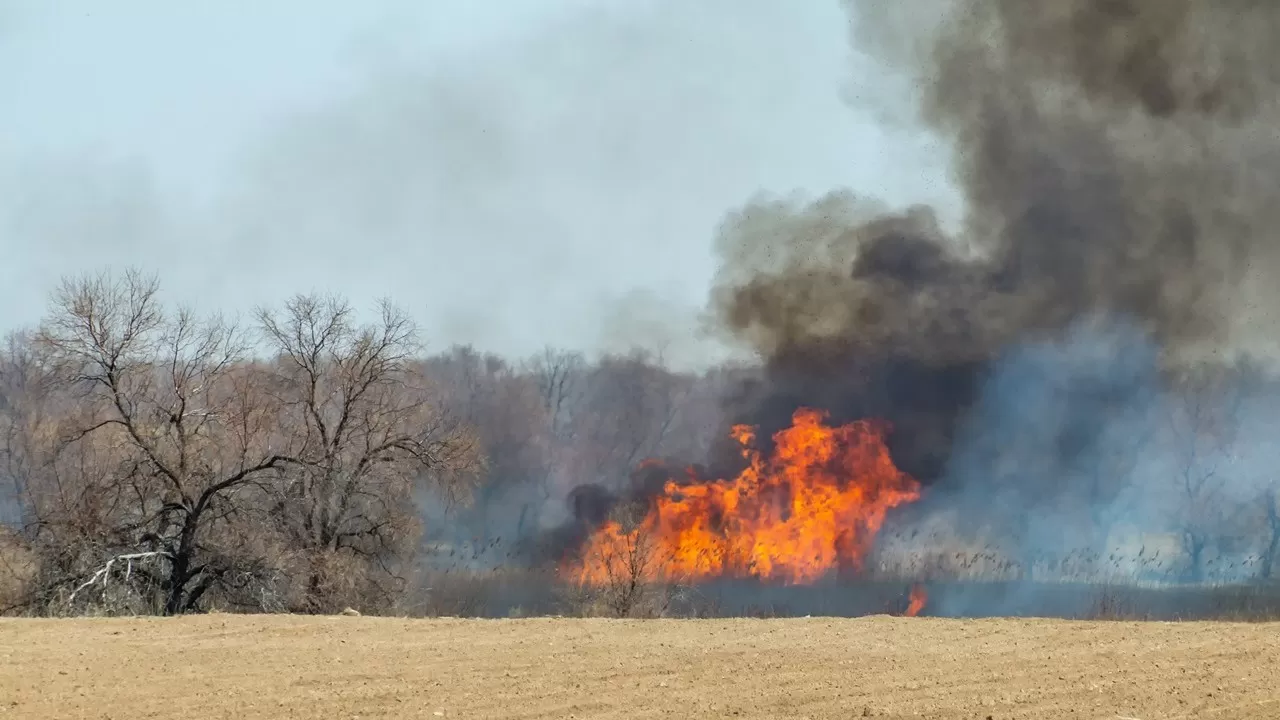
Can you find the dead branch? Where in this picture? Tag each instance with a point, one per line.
(104, 573)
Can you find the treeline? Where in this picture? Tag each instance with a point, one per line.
(156, 461)
(309, 458)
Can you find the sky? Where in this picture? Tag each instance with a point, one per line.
(515, 174)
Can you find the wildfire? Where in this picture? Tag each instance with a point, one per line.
(917, 601)
(814, 505)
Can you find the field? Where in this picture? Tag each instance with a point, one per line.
(243, 667)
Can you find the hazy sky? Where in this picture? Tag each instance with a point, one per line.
(514, 173)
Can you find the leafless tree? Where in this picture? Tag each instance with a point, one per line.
(367, 431)
(1202, 428)
(629, 569)
(178, 427)
(21, 384)
(506, 410)
(1270, 502)
(633, 404)
(559, 377)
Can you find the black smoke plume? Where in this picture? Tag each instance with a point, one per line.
(1117, 158)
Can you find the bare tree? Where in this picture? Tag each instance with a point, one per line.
(21, 381)
(633, 404)
(624, 569)
(1202, 428)
(367, 431)
(521, 453)
(506, 409)
(1270, 501)
(559, 377)
(180, 431)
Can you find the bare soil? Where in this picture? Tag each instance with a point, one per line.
(226, 666)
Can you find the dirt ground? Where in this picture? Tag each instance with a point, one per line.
(224, 666)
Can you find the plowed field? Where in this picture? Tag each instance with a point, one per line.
(336, 668)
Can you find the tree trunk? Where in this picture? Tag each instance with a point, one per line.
(312, 603)
(173, 604)
(1273, 544)
(1195, 556)
(180, 568)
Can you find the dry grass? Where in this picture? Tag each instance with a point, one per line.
(529, 593)
(246, 667)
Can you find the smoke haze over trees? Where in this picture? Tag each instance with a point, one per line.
(1080, 373)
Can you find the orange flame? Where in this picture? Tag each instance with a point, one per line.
(813, 506)
(918, 599)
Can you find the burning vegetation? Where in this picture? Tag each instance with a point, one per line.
(811, 507)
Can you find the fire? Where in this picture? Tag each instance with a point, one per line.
(814, 505)
(917, 601)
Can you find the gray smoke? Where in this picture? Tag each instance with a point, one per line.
(1119, 162)
(1116, 158)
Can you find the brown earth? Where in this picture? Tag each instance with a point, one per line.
(225, 666)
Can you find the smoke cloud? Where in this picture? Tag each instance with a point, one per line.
(1118, 164)
(1115, 159)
